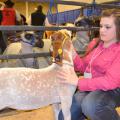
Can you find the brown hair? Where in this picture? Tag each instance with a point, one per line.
(108, 13)
(9, 3)
(116, 14)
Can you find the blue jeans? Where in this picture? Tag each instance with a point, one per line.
(96, 105)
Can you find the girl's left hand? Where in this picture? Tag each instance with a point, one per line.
(67, 77)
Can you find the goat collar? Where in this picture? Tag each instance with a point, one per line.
(59, 56)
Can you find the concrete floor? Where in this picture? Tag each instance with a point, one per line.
(45, 113)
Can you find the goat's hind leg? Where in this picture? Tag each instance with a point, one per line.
(3, 105)
(4, 101)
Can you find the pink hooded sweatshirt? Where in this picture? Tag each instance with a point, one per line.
(105, 68)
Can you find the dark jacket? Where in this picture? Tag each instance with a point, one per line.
(0, 17)
(37, 18)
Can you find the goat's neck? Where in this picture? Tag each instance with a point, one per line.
(67, 63)
(70, 57)
(26, 48)
(51, 68)
(54, 66)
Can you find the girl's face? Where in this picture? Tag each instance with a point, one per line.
(108, 29)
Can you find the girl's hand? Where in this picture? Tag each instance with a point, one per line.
(67, 77)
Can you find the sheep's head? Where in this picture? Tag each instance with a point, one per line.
(28, 37)
(59, 44)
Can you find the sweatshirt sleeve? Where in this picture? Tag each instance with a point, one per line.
(111, 80)
(79, 64)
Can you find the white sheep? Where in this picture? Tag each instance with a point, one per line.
(25, 46)
(28, 88)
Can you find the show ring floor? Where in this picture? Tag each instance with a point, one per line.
(45, 113)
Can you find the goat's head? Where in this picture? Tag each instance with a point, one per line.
(61, 46)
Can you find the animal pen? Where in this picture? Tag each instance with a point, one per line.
(46, 112)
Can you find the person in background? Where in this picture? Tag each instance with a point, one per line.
(82, 38)
(98, 92)
(0, 17)
(1, 5)
(38, 19)
(23, 20)
(9, 16)
(1, 8)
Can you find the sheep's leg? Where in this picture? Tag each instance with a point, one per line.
(56, 108)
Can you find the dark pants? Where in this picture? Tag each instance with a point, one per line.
(96, 105)
(3, 44)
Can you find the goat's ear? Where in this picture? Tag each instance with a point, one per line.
(52, 37)
(57, 36)
(68, 44)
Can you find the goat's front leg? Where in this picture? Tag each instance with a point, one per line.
(56, 109)
(66, 105)
(66, 94)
